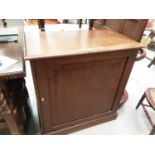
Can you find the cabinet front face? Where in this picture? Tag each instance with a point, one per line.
(71, 90)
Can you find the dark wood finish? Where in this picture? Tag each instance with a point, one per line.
(41, 24)
(80, 23)
(140, 101)
(79, 76)
(124, 98)
(65, 21)
(152, 62)
(11, 123)
(13, 87)
(7, 115)
(4, 22)
(114, 24)
(153, 130)
(132, 28)
(3, 125)
(150, 97)
(91, 24)
(13, 50)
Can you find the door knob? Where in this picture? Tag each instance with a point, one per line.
(42, 99)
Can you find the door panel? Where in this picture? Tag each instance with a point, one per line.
(81, 90)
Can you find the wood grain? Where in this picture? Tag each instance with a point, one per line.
(14, 50)
(65, 43)
(79, 76)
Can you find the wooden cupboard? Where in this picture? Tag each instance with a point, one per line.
(79, 76)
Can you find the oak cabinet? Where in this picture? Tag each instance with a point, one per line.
(79, 76)
(77, 88)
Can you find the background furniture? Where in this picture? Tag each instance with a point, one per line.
(7, 118)
(90, 22)
(149, 95)
(152, 62)
(4, 22)
(133, 28)
(14, 109)
(79, 76)
(41, 23)
(14, 102)
(151, 46)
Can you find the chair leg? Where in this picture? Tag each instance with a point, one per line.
(152, 62)
(11, 123)
(41, 24)
(91, 24)
(140, 101)
(152, 131)
(80, 23)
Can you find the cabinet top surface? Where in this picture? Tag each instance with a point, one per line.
(61, 43)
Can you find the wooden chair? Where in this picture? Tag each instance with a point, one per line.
(7, 116)
(149, 94)
(15, 110)
(4, 22)
(41, 24)
(91, 23)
